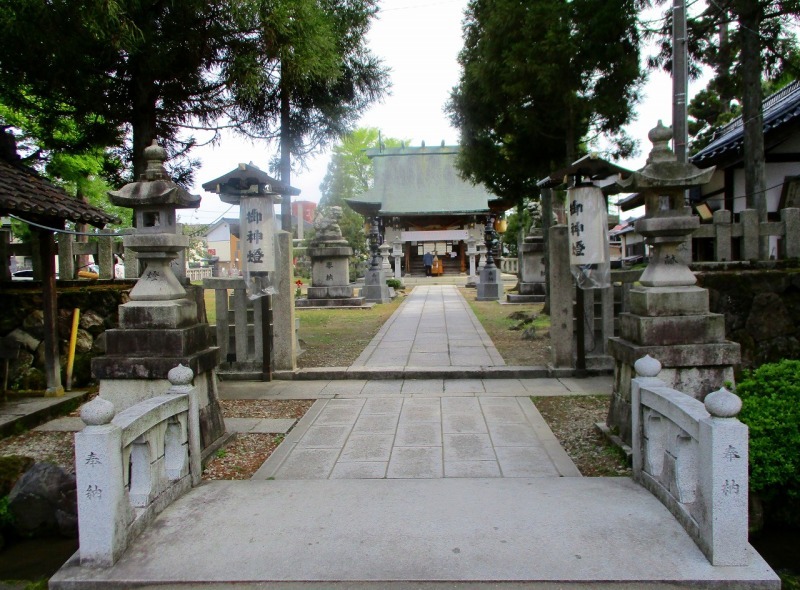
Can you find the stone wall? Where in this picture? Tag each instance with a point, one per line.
(22, 320)
(761, 309)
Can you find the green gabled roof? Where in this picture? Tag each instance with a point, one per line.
(420, 181)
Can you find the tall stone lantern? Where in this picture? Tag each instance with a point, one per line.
(669, 316)
(158, 326)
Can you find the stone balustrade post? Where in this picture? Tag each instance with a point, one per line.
(750, 232)
(723, 480)
(791, 233)
(105, 256)
(103, 509)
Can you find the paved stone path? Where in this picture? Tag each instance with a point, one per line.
(417, 438)
(434, 327)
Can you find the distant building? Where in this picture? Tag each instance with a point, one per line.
(422, 202)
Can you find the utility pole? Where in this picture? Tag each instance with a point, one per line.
(680, 84)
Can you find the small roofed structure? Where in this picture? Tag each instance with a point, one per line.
(423, 203)
(248, 179)
(45, 207)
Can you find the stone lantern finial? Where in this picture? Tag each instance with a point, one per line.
(659, 136)
(155, 156)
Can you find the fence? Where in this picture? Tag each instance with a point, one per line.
(693, 457)
(132, 465)
(748, 230)
(509, 265)
(198, 274)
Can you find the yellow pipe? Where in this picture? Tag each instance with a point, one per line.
(73, 339)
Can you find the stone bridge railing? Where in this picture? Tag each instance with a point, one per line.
(509, 265)
(693, 457)
(132, 465)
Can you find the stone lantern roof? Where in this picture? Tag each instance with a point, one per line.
(662, 170)
(154, 187)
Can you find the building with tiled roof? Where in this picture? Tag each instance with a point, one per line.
(422, 202)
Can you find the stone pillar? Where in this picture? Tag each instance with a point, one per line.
(397, 253)
(791, 233)
(284, 342)
(561, 295)
(472, 252)
(722, 238)
(749, 222)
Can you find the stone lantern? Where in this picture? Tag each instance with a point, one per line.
(490, 287)
(156, 241)
(158, 327)
(669, 316)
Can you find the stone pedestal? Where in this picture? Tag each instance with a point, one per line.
(375, 289)
(532, 287)
(669, 316)
(490, 287)
(673, 325)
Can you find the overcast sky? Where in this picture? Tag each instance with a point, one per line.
(419, 41)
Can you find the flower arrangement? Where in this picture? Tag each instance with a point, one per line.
(298, 288)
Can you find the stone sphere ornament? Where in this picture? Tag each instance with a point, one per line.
(97, 412)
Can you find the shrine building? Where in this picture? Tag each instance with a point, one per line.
(424, 205)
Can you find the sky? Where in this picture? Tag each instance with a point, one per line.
(419, 41)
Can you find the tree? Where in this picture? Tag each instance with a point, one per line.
(164, 70)
(761, 45)
(540, 81)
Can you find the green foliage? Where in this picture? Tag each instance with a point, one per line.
(771, 409)
(146, 70)
(538, 81)
(349, 175)
(394, 283)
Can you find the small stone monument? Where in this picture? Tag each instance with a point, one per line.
(330, 264)
(490, 287)
(532, 271)
(375, 289)
(669, 316)
(158, 327)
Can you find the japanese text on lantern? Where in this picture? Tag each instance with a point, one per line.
(586, 206)
(257, 234)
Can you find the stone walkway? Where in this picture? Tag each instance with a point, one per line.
(419, 438)
(434, 327)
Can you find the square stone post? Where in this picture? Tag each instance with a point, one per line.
(722, 237)
(561, 296)
(283, 315)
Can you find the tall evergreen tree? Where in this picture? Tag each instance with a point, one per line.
(539, 81)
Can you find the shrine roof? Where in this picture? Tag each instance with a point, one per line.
(26, 194)
(420, 181)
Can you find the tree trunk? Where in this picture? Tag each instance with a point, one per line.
(286, 159)
(755, 184)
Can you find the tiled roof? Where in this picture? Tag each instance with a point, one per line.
(26, 194)
(420, 181)
(779, 109)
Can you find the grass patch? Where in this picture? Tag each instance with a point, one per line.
(509, 343)
(335, 337)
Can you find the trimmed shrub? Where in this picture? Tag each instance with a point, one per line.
(771, 409)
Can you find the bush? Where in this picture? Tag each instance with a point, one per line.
(771, 409)
(394, 283)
